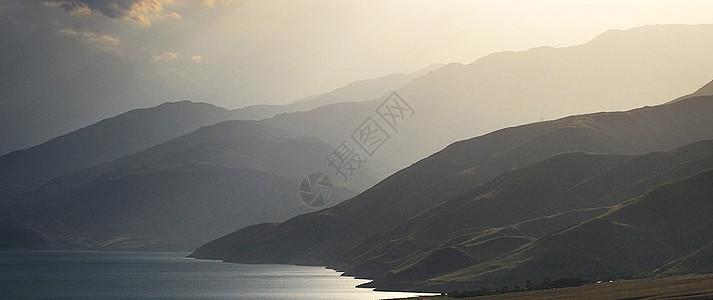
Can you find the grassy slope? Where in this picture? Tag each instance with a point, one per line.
(680, 287)
(700, 261)
(552, 186)
(646, 232)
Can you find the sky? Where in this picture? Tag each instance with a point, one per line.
(85, 60)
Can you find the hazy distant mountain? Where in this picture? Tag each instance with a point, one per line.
(138, 129)
(391, 220)
(706, 90)
(102, 142)
(181, 193)
(358, 91)
(617, 70)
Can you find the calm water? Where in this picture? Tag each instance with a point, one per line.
(149, 275)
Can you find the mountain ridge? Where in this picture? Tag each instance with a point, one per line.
(180, 193)
(458, 101)
(103, 141)
(628, 227)
(472, 162)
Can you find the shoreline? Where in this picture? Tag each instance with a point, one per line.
(692, 286)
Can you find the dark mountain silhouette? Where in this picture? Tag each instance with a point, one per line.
(611, 72)
(404, 218)
(101, 142)
(181, 193)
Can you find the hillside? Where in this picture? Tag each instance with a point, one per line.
(661, 225)
(179, 194)
(699, 262)
(559, 187)
(358, 225)
(104, 141)
(677, 287)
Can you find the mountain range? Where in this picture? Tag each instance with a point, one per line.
(60, 193)
(42, 188)
(178, 194)
(358, 91)
(107, 140)
(494, 209)
(614, 71)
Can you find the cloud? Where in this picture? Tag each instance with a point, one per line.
(211, 3)
(76, 8)
(137, 10)
(165, 57)
(170, 57)
(101, 41)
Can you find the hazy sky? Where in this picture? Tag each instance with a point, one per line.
(89, 59)
(245, 52)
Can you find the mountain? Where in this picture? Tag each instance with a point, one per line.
(706, 90)
(476, 244)
(459, 189)
(358, 91)
(614, 71)
(14, 238)
(20, 171)
(635, 238)
(178, 194)
(699, 261)
(109, 139)
(563, 185)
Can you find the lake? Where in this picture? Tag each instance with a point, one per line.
(160, 275)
